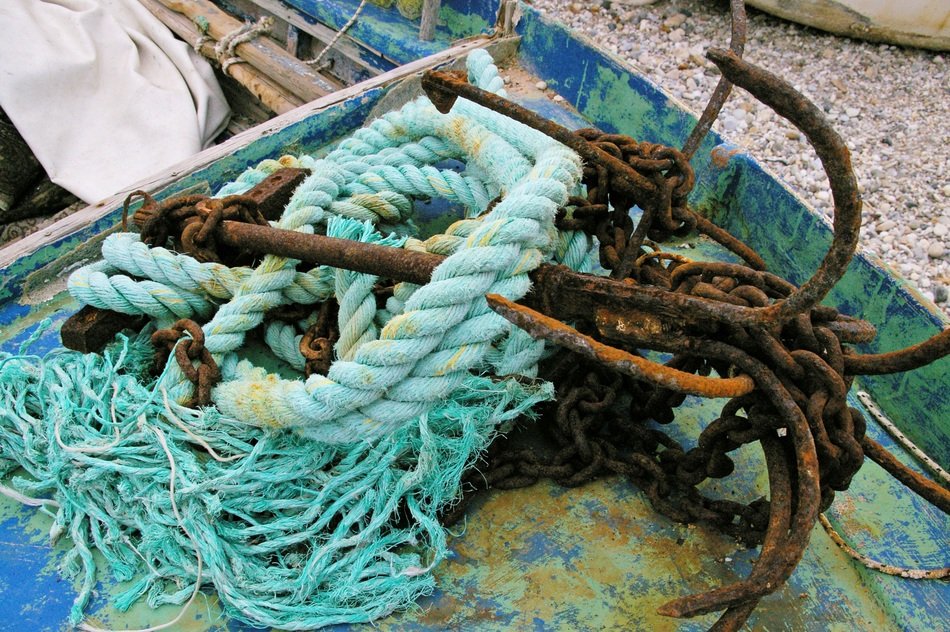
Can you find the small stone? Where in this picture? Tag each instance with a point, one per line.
(541, 85)
(558, 98)
(941, 230)
(946, 190)
(940, 294)
(677, 35)
(793, 135)
(674, 21)
(936, 250)
(886, 225)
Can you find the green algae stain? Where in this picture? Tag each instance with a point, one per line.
(609, 98)
(457, 25)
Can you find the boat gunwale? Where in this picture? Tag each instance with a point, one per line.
(154, 184)
(740, 165)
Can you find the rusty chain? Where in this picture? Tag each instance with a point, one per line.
(608, 423)
(192, 221)
(737, 321)
(187, 350)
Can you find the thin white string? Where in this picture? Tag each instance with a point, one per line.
(339, 34)
(178, 422)
(171, 494)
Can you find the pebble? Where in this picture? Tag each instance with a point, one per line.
(541, 85)
(674, 21)
(558, 98)
(883, 100)
(940, 294)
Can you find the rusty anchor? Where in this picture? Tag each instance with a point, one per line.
(783, 360)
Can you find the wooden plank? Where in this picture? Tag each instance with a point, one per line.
(262, 53)
(272, 95)
(430, 18)
(155, 183)
(345, 45)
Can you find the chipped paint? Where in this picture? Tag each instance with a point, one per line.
(597, 557)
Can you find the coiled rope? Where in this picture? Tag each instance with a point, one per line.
(302, 503)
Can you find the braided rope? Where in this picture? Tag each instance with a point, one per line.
(224, 50)
(393, 363)
(291, 532)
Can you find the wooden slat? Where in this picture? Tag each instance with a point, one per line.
(262, 53)
(272, 95)
(345, 45)
(430, 18)
(153, 184)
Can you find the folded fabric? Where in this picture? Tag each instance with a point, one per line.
(102, 92)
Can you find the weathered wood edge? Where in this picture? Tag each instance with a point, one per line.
(345, 45)
(72, 223)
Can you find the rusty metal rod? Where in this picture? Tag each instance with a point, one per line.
(906, 359)
(932, 492)
(444, 87)
(553, 284)
(540, 326)
(402, 265)
(835, 158)
(721, 93)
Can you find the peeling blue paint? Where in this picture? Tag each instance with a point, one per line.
(597, 556)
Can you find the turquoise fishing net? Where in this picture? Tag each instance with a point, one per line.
(288, 529)
(290, 532)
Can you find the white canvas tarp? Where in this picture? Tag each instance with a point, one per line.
(102, 92)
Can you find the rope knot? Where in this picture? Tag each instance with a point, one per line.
(187, 349)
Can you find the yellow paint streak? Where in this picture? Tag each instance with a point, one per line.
(527, 262)
(256, 399)
(400, 325)
(450, 365)
(437, 184)
(486, 238)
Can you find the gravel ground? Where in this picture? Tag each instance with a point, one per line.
(891, 105)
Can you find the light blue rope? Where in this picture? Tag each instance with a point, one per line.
(290, 491)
